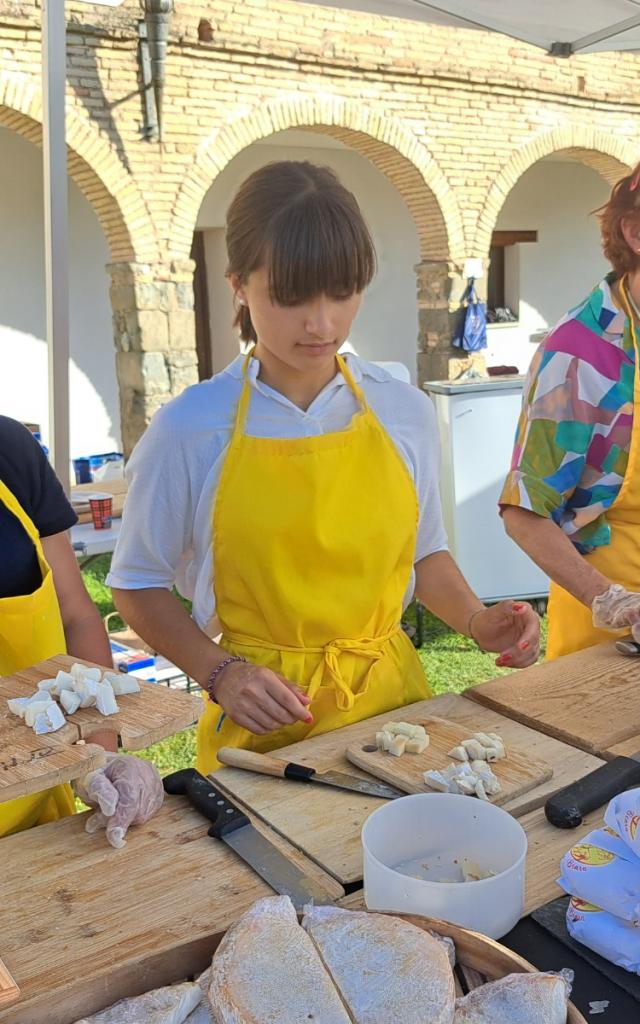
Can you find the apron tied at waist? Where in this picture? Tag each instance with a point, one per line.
(371, 648)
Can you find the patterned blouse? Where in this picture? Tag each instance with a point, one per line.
(574, 433)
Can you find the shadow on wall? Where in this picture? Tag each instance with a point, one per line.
(95, 415)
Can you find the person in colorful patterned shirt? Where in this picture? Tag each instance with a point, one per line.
(572, 497)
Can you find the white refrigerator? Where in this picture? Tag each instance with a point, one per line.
(477, 421)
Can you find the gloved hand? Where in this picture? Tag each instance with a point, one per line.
(617, 608)
(126, 791)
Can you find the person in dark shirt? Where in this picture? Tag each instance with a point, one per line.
(44, 607)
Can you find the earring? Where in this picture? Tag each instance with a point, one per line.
(242, 302)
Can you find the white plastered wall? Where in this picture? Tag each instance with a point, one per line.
(387, 325)
(545, 279)
(94, 406)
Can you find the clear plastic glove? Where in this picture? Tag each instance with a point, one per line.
(127, 791)
(617, 608)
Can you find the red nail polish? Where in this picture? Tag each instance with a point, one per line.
(505, 657)
(518, 607)
(523, 646)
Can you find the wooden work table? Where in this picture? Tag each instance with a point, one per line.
(83, 925)
(590, 699)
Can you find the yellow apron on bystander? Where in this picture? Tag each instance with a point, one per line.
(30, 631)
(314, 541)
(570, 622)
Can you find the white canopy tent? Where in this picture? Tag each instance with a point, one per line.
(561, 27)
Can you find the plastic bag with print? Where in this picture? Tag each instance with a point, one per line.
(614, 939)
(623, 815)
(603, 870)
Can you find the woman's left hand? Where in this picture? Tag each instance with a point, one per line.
(512, 629)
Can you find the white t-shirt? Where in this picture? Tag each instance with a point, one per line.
(173, 473)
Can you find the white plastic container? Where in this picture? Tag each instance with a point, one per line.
(428, 835)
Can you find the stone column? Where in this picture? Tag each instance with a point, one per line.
(440, 287)
(155, 338)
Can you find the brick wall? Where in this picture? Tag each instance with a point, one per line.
(453, 118)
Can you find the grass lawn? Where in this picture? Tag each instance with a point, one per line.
(452, 663)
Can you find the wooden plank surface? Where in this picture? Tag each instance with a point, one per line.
(326, 823)
(116, 488)
(84, 925)
(589, 699)
(518, 773)
(547, 846)
(144, 718)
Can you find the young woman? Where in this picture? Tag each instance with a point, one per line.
(572, 498)
(295, 495)
(44, 607)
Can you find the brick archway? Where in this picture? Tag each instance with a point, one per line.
(114, 197)
(610, 156)
(386, 142)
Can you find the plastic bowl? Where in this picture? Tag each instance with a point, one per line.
(428, 835)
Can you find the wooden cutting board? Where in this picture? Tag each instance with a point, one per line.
(84, 925)
(590, 699)
(517, 773)
(144, 718)
(30, 763)
(325, 823)
(9, 991)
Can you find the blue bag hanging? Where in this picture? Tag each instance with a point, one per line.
(471, 333)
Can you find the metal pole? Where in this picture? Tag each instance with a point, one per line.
(56, 231)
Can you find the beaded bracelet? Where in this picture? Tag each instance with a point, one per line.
(211, 681)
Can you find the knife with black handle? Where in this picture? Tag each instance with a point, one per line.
(567, 807)
(234, 828)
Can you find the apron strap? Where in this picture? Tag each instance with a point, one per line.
(371, 649)
(242, 408)
(11, 502)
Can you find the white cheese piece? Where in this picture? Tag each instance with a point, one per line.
(480, 790)
(48, 685)
(387, 739)
(379, 738)
(121, 683)
(50, 720)
(483, 738)
(17, 705)
(64, 681)
(391, 727)
(105, 700)
(467, 786)
(459, 753)
(397, 745)
(404, 729)
(436, 780)
(417, 744)
(87, 690)
(492, 754)
(474, 749)
(35, 708)
(70, 701)
(79, 671)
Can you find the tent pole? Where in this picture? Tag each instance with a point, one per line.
(56, 231)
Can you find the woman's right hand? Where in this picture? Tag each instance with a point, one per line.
(259, 699)
(617, 608)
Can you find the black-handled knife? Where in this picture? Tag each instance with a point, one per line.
(567, 807)
(233, 827)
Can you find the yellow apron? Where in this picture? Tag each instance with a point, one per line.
(314, 541)
(30, 631)
(570, 622)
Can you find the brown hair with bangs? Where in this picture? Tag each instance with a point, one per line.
(300, 223)
(623, 204)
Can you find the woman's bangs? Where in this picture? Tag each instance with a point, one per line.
(318, 247)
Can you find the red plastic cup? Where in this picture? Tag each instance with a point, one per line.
(101, 506)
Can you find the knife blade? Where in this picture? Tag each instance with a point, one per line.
(267, 765)
(567, 807)
(627, 645)
(233, 827)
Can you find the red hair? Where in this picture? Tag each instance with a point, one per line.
(623, 204)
